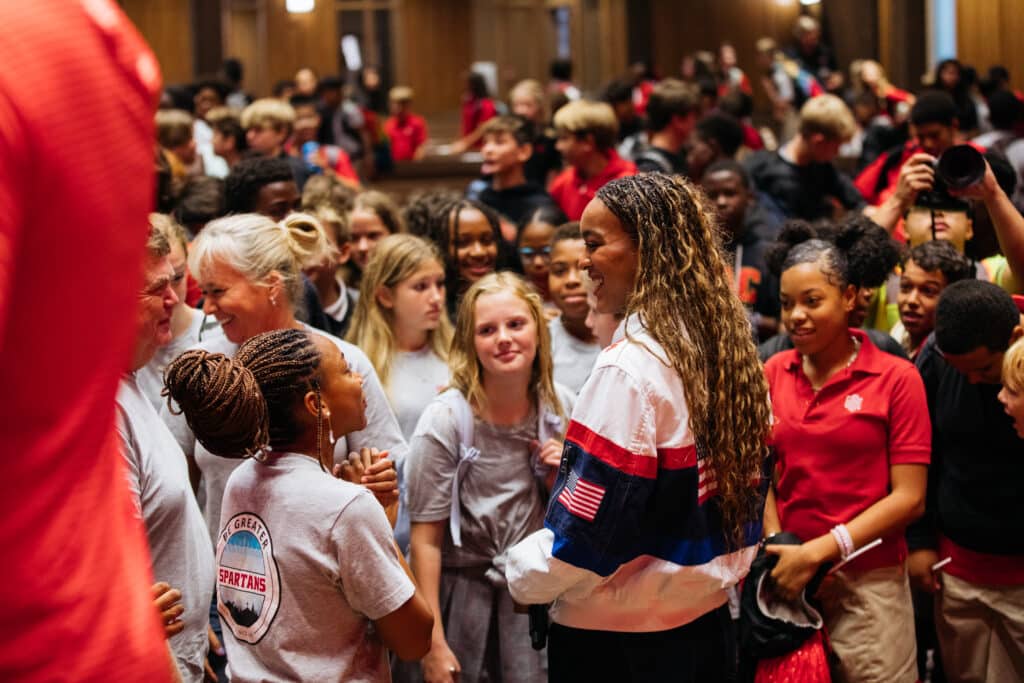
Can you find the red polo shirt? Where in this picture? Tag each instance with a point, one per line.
(572, 192)
(835, 447)
(407, 134)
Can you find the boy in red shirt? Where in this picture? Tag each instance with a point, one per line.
(586, 140)
(406, 131)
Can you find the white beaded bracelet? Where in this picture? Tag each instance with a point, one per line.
(843, 539)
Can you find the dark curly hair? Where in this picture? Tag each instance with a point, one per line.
(856, 252)
(973, 314)
(942, 256)
(243, 184)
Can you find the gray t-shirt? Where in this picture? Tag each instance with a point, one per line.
(381, 431)
(304, 563)
(500, 498)
(573, 359)
(416, 378)
(179, 546)
(151, 376)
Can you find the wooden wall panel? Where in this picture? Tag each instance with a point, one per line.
(166, 26)
(988, 32)
(301, 40)
(434, 51)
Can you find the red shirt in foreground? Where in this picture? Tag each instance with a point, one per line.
(407, 134)
(76, 184)
(572, 192)
(835, 447)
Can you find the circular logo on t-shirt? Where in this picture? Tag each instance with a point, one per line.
(248, 582)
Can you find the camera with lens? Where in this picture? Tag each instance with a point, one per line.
(959, 166)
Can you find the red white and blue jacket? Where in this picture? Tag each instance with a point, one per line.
(633, 539)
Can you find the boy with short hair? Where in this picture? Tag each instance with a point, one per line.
(303, 144)
(174, 134)
(507, 146)
(268, 124)
(573, 345)
(748, 232)
(926, 271)
(586, 140)
(228, 135)
(800, 177)
(671, 116)
(973, 504)
(406, 131)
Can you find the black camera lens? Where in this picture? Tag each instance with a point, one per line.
(960, 166)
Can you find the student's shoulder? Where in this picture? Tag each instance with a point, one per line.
(354, 355)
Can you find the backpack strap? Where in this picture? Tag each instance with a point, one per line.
(463, 414)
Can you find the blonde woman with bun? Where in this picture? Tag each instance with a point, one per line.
(249, 270)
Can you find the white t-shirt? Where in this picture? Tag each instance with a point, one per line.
(304, 563)
(151, 376)
(416, 378)
(573, 359)
(180, 549)
(381, 431)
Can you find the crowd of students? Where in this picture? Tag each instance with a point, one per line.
(363, 436)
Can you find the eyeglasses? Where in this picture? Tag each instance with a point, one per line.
(530, 252)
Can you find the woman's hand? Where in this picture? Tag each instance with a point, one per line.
(373, 470)
(796, 567)
(440, 664)
(167, 601)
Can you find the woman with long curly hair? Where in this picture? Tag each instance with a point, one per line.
(658, 505)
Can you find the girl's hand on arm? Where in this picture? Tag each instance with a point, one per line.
(167, 601)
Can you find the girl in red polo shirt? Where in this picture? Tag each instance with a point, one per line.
(853, 441)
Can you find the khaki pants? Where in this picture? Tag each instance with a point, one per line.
(870, 620)
(981, 631)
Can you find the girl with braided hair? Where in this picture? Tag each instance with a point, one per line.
(468, 233)
(249, 270)
(305, 561)
(853, 441)
(656, 512)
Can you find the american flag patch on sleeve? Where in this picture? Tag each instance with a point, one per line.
(580, 497)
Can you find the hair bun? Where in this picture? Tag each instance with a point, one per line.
(307, 238)
(794, 232)
(221, 401)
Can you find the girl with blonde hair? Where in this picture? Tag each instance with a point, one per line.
(1012, 393)
(401, 322)
(481, 462)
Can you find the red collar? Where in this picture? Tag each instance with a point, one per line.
(869, 360)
